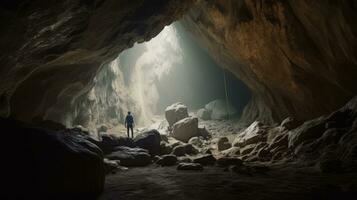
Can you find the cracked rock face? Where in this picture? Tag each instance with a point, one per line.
(52, 50)
(299, 58)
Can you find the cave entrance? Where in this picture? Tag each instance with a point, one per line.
(170, 68)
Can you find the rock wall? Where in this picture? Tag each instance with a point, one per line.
(50, 51)
(299, 58)
(106, 103)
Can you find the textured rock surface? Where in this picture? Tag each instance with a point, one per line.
(185, 129)
(255, 133)
(297, 57)
(52, 50)
(175, 113)
(107, 102)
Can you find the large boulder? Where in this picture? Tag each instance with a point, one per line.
(130, 157)
(220, 110)
(185, 129)
(255, 133)
(43, 164)
(149, 140)
(175, 113)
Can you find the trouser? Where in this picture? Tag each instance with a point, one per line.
(130, 126)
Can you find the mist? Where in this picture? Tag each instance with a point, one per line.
(171, 68)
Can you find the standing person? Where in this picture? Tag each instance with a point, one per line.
(129, 124)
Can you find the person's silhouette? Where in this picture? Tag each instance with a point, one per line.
(129, 124)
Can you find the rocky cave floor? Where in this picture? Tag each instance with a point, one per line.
(155, 182)
(291, 160)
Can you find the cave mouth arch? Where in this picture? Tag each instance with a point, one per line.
(298, 57)
(171, 67)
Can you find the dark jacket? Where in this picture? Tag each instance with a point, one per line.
(129, 120)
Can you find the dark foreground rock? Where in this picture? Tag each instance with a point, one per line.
(167, 160)
(190, 166)
(130, 157)
(149, 140)
(48, 165)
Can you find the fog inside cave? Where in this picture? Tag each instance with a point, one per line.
(172, 67)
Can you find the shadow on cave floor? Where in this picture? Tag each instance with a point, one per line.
(216, 183)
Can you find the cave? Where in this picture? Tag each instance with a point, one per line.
(231, 99)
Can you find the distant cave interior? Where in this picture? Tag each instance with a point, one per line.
(172, 67)
(230, 98)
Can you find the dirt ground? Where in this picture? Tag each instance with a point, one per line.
(213, 183)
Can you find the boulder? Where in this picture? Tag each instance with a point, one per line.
(206, 159)
(167, 160)
(185, 129)
(42, 163)
(149, 140)
(179, 150)
(255, 133)
(220, 110)
(130, 157)
(204, 114)
(175, 113)
(227, 161)
(190, 166)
